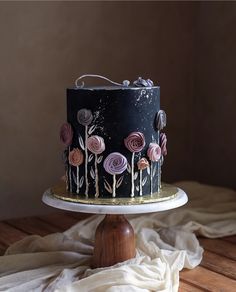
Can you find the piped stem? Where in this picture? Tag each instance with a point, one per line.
(86, 162)
(77, 179)
(140, 183)
(132, 175)
(159, 167)
(96, 176)
(114, 186)
(151, 176)
(70, 179)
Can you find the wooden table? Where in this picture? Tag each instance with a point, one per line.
(217, 271)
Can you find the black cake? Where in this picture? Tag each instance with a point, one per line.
(114, 147)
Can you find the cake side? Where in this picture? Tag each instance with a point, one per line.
(114, 148)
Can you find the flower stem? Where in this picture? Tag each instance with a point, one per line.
(114, 186)
(132, 176)
(70, 180)
(159, 176)
(96, 174)
(160, 161)
(151, 176)
(159, 166)
(140, 183)
(86, 162)
(77, 180)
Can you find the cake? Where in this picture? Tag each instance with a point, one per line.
(113, 142)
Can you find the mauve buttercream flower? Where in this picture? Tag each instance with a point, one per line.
(142, 164)
(84, 117)
(143, 83)
(115, 163)
(163, 142)
(76, 157)
(96, 144)
(135, 142)
(66, 134)
(160, 120)
(154, 152)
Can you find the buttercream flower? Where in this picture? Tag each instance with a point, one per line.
(96, 144)
(154, 152)
(115, 163)
(143, 83)
(160, 120)
(66, 134)
(76, 157)
(135, 142)
(163, 142)
(84, 117)
(143, 164)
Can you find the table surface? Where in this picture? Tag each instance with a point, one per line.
(217, 271)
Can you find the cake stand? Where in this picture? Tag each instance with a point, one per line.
(114, 237)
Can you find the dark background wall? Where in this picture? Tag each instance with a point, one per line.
(215, 93)
(46, 45)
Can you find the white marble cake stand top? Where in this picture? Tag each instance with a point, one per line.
(179, 200)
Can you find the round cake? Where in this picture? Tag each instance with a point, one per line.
(113, 141)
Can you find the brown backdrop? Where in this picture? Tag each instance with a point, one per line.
(188, 48)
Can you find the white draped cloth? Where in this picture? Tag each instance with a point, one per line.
(166, 243)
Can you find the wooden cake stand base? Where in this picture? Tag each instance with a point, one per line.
(114, 237)
(114, 241)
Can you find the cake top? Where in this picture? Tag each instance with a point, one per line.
(109, 87)
(137, 84)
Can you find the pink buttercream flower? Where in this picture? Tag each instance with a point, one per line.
(66, 134)
(96, 144)
(76, 157)
(154, 152)
(163, 142)
(142, 164)
(135, 142)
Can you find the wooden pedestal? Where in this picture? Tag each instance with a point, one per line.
(114, 241)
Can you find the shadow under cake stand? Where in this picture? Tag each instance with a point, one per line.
(114, 237)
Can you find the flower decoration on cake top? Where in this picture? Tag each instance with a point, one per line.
(143, 83)
(66, 134)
